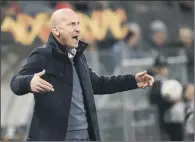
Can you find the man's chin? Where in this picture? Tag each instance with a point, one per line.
(74, 46)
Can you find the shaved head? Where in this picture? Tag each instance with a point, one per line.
(65, 27)
(60, 15)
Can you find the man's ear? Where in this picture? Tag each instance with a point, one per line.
(55, 31)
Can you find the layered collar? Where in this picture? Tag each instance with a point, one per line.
(60, 51)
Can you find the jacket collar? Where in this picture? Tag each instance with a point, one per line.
(61, 52)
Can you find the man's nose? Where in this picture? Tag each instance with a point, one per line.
(77, 29)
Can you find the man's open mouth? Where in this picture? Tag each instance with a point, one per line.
(76, 38)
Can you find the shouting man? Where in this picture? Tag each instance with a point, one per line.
(63, 85)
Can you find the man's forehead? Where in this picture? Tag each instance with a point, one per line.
(68, 14)
(65, 15)
(71, 17)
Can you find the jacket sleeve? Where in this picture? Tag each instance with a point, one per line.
(20, 83)
(112, 84)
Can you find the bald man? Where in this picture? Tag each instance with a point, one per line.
(63, 85)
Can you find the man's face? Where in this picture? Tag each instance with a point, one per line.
(134, 39)
(185, 36)
(69, 30)
(159, 38)
(164, 71)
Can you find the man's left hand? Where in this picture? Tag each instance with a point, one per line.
(144, 80)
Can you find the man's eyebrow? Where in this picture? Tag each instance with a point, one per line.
(74, 22)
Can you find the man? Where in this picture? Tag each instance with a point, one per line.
(159, 68)
(187, 38)
(164, 94)
(159, 39)
(159, 33)
(63, 85)
(160, 72)
(130, 46)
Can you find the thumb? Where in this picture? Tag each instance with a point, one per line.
(41, 73)
(141, 73)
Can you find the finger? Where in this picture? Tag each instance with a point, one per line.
(42, 81)
(41, 73)
(151, 78)
(144, 78)
(40, 90)
(145, 84)
(148, 78)
(143, 87)
(141, 73)
(46, 87)
(150, 83)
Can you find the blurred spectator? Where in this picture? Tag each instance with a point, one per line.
(81, 6)
(186, 6)
(34, 7)
(159, 68)
(15, 7)
(160, 73)
(60, 5)
(130, 47)
(186, 37)
(159, 34)
(190, 115)
(10, 9)
(159, 39)
(169, 96)
(99, 5)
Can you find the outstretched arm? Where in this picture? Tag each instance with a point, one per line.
(29, 78)
(113, 84)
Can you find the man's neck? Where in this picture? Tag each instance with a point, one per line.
(65, 49)
(62, 47)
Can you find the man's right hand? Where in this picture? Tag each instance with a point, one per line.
(38, 85)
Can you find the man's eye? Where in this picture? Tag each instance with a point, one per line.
(73, 24)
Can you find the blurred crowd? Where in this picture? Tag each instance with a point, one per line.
(133, 47)
(153, 41)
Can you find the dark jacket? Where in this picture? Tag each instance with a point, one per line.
(50, 118)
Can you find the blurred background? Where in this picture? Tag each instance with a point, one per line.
(125, 37)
